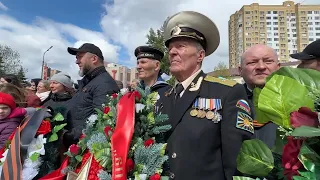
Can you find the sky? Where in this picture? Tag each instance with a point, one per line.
(116, 26)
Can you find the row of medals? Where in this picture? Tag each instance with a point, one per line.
(202, 114)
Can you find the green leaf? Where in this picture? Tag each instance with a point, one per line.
(78, 158)
(164, 178)
(307, 77)
(308, 158)
(68, 154)
(58, 117)
(281, 96)
(280, 142)
(34, 157)
(241, 178)
(299, 178)
(57, 128)
(255, 158)
(306, 131)
(53, 137)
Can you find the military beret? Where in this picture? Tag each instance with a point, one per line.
(193, 25)
(148, 52)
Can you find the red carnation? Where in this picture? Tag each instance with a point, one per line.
(74, 149)
(130, 165)
(82, 136)
(156, 176)
(106, 110)
(304, 117)
(290, 160)
(107, 129)
(45, 128)
(148, 142)
(2, 150)
(137, 94)
(114, 95)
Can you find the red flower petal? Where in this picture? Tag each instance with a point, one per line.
(74, 149)
(114, 95)
(129, 165)
(106, 110)
(304, 117)
(290, 159)
(155, 177)
(107, 129)
(45, 128)
(148, 142)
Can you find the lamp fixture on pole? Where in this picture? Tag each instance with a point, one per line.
(43, 60)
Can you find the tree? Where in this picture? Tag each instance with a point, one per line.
(221, 70)
(156, 39)
(9, 60)
(21, 74)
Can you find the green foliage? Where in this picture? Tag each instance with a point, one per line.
(58, 117)
(306, 131)
(149, 158)
(281, 96)
(221, 70)
(9, 61)
(156, 39)
(255, 158)
(34, 157)
(103, 175)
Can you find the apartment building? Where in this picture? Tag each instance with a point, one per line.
(287, 28)
(122, 73)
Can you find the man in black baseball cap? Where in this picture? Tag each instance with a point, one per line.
(310, 56)
(93, 88)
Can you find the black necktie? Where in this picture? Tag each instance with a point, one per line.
(179, 88)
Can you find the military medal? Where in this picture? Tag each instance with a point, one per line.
(194, 112)
(210, 115)
(217, 117)
(203, 114)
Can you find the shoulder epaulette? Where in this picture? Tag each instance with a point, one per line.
(226, 82)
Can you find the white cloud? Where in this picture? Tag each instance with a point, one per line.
(128, 22)
(31, 40)
(3, 7)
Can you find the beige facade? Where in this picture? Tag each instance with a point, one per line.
(122, 73)
(287, 28)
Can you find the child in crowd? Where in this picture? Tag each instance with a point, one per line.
(10, 117)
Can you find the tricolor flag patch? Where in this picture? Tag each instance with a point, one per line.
(244, 105)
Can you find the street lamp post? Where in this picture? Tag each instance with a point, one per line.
(43, 60)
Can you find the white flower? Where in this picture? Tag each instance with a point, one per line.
(158, 97)
(93, 118)
(139, 107)
(141, 177)
(124, 91)
(4, 155)
(37, 145)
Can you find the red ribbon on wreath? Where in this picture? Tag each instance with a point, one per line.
(122, 135)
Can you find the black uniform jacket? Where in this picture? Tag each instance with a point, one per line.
(199, 148)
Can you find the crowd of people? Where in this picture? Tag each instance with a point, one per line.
(210, 117)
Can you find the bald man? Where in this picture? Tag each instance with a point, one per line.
(257, 63)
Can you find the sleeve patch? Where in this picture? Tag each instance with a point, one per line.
(244, 105)
(244, 122)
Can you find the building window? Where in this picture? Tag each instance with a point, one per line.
(275, 34)
(269, 39)
(310, 28)
(261, 12)
(317, 23)
(128, 77)
(317, 17)
(281, 23)
(309, 12)
(281, 12)
(275, 23)
(317, 34)
(310, 23)
(316, 12)
(268, 17)
(275, 12)
(276, 39)
(275, 17)
(317, 28)
(303, 12)
(283, 45)
(309, 18)
(310, 39)
(247, 12)
(294, 35)
(268, 28)
(269, 12)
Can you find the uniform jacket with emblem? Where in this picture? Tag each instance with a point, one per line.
(266, 133)
(199, 148)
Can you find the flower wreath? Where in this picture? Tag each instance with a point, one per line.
(290, 99)
(106, 151)
(41, 154)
